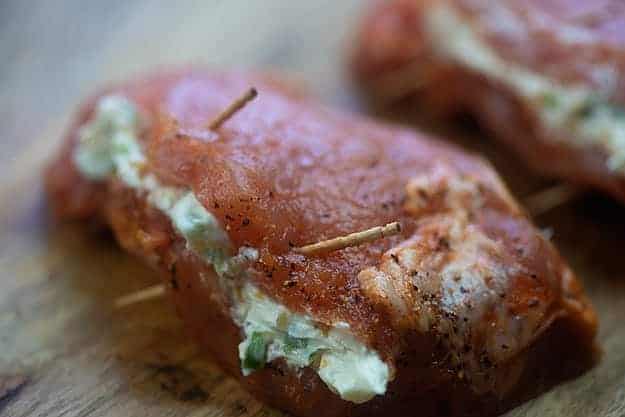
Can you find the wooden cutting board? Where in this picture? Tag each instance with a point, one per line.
(64, 351)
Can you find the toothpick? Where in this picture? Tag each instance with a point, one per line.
(233, 108)
(146, 294)
(353, 239)
(553, 197)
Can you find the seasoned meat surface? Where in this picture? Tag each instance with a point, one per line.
(459, 305)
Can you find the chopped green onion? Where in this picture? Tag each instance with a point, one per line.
(550, 100)
(294, 343)
(586, 110)
(256, 352)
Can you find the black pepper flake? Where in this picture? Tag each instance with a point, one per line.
(289, 283)
(270, 194)
(395, 258)
(463, 290)
(274, 367)
(216, 205)
(239, 408)
(229, 217)
(485, 361)
(245, 221)
(174, 283)
(504, 346)
(291, 244)
(402, 363)
(443, 244)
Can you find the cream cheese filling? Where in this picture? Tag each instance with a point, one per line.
(581, 116)
(108, 145)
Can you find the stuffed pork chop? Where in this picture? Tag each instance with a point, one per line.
(464, 309)
(545, 77)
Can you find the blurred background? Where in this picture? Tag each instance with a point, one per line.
(54, 53)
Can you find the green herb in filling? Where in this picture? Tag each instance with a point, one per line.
(120, 148)
(587, 109)
(550, 100)
(256, 352)
(292, 344)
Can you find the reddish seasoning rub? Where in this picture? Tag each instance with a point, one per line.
(545, 77)
(466, 322)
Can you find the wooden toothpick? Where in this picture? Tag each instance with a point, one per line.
(353, 239)
(341, 242)
(546, 200)
(145, 294)
(233, 108)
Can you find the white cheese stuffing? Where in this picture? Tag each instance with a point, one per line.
(346, 366)
(108, 145)
(345, 374)
(581, 116)
(109, 136)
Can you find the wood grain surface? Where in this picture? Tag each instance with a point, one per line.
(63, 350)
